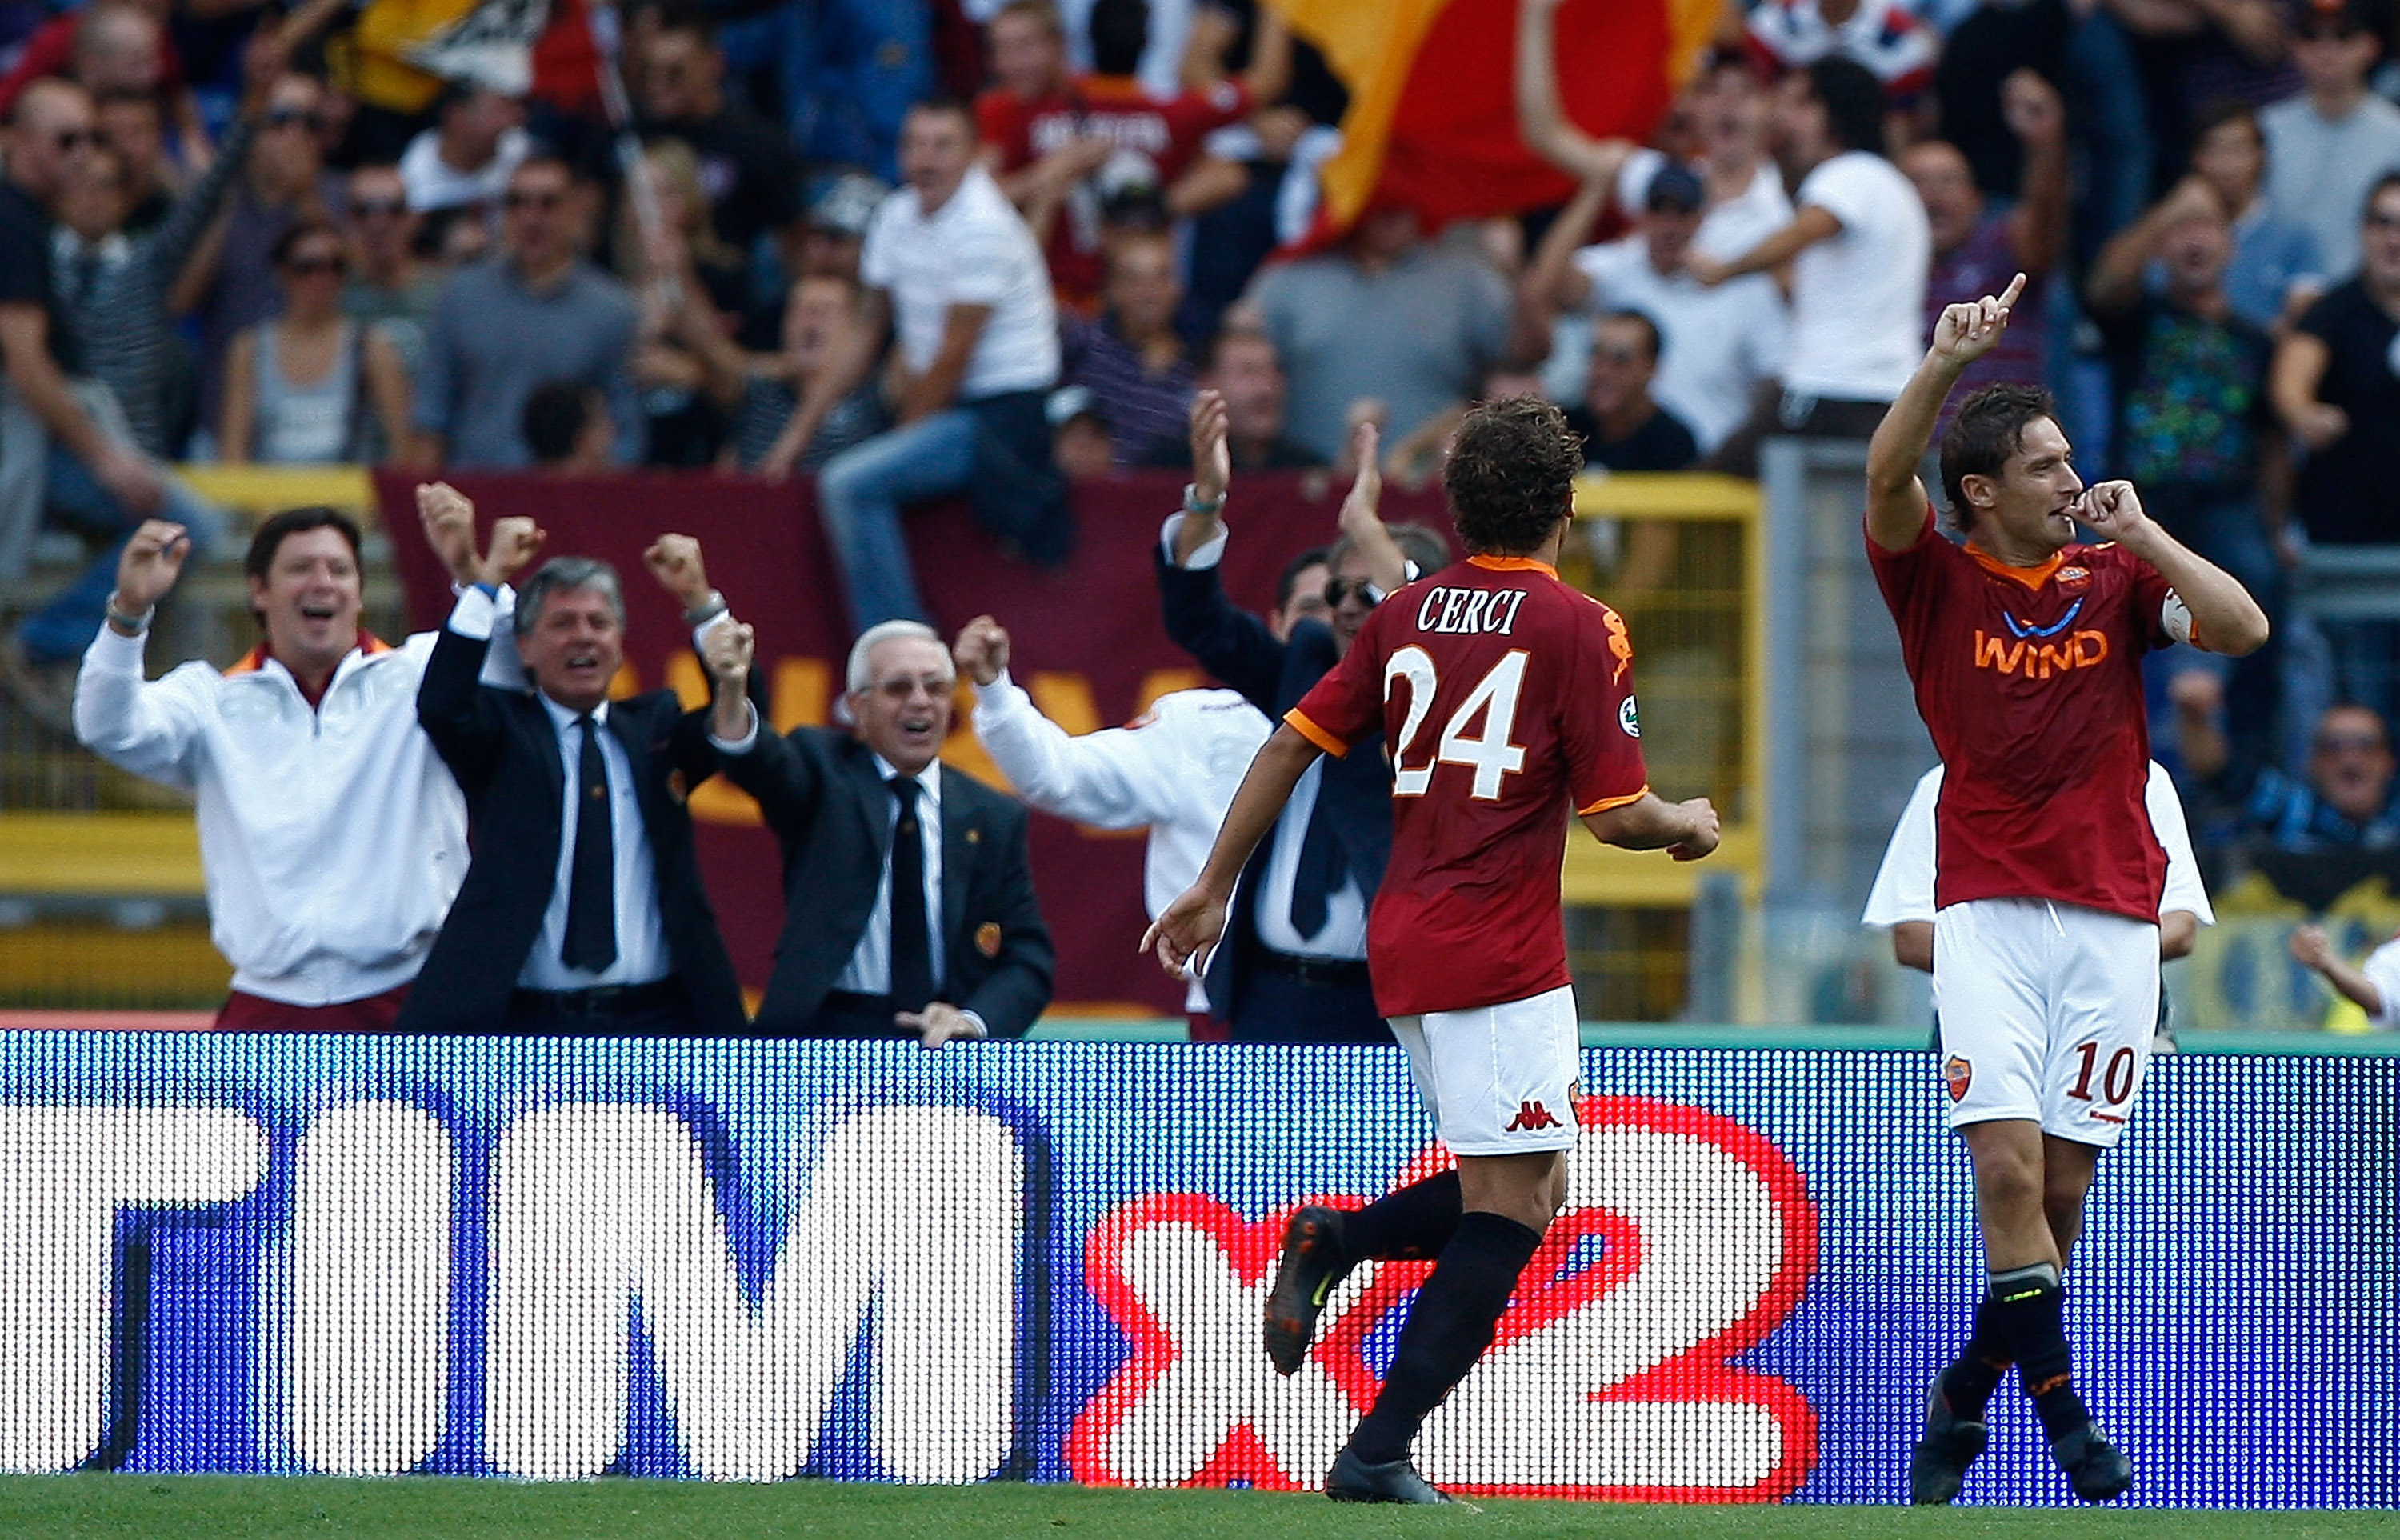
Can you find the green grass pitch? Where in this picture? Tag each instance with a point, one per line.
(180, 1507)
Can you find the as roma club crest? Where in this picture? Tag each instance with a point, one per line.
(987, 938)
(2074, 580)
(1960, 1074)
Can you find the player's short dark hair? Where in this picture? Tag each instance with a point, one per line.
(555, 415)
(1120, 31)
(1511, 475)
(276, 528)
(958, 107)
(1853, 101)
(1288, 580)
(1989, 428)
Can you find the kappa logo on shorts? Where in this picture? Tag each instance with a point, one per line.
(1532, 1118)
(1960, 1074)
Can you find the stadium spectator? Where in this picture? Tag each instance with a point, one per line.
(577, 923)
(2343, 802)
(1726, 107)
(2275, 269)
(843, 72)
(836, 229)
(1172, 770)
(1331, 317)
(2373, 985)
(2194, 424)
(748, 171)
(567, 428)
(1294, 969)
(1717, 345)
(135, 125)
(312, 386)
(1860, 252)
(389, 286)
(1977, 249)
(535, 312)
(2335, 389)
(1242, 367)
(759, 393)
(284, 182)
(1881, 36)
(1131, 359)
(907, 890)
(112, 49)
(463, 160)
(326, 905)
(690, 285)
(1623, 427)
(1982, 50)
(1058, 142)
(67, 456)
(1079, 445)
(2327, 146)
(953, 267)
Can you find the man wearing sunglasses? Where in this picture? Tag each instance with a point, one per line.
(1295, 967)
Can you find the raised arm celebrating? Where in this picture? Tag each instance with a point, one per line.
(1895, 496)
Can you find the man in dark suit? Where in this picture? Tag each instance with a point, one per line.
(568, 922)
(1292, 967)
(907, 890)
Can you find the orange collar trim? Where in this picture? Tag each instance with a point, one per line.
(256, 659)
(2032, 577)
(1511, 564)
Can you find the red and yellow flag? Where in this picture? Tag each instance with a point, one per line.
(1432, 120)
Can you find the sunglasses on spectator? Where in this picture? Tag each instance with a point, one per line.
(901, 689)
(323, 262)
(2345, 743)
(284, 117)
(534, 201)
(1339, 589)
(388, 206)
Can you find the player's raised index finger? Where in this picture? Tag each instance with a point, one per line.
(2015, 288)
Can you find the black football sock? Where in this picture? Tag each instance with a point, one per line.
(1408, 1225)
(1448, 1328)
(1968, 1383)
(2031, 1310)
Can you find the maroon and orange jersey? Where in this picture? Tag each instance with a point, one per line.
(2030, 681)
(1507, 699)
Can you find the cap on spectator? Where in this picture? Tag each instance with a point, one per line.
(2339, 18)
(846, 204)
(1070, 401)
(1675, 188)
(1130, 194)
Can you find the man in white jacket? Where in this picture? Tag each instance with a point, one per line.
(331, 837)
(1173, 770)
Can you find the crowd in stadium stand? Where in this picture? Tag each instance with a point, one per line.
(912, 247)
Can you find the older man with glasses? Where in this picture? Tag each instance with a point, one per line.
(535, 313)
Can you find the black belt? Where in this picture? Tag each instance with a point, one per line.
(1325, 972)
(607, 1000)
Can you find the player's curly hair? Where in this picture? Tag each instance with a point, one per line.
(1989, 428)
(1511, 475)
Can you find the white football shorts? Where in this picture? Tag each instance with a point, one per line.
(1498, 1080)
(2046, 1014)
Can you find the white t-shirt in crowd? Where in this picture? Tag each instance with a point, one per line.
(2382, 970)
(431, 183)
(1728, 229)
(974, 250)
(1715, 345)
(1858, 298)
(1903, 885)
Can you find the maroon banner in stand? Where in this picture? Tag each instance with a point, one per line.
(1088, 642)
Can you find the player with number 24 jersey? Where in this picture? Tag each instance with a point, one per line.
(1508, 697)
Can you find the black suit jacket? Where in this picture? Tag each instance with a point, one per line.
(503, 748)
(831, 812)
(1355, 793)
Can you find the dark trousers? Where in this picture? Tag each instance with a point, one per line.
(1269, 1007)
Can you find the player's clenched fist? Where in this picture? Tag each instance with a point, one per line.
(152, 560)
(1704, 831)
(1969, 330)
(449, 520)
(515, 542)
(981, 651)
(1185, 931)
(729, 649)
(2111, 509)
(674, 561)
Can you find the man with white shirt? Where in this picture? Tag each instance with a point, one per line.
(1172, 770)
(950, 266)
(2327, 146)
(1902, 899)
(332, 839)
(464, 159)
(1859, 249)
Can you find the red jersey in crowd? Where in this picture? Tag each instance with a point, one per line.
(1507, 698)
(1156, 139)
(2030, 681)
